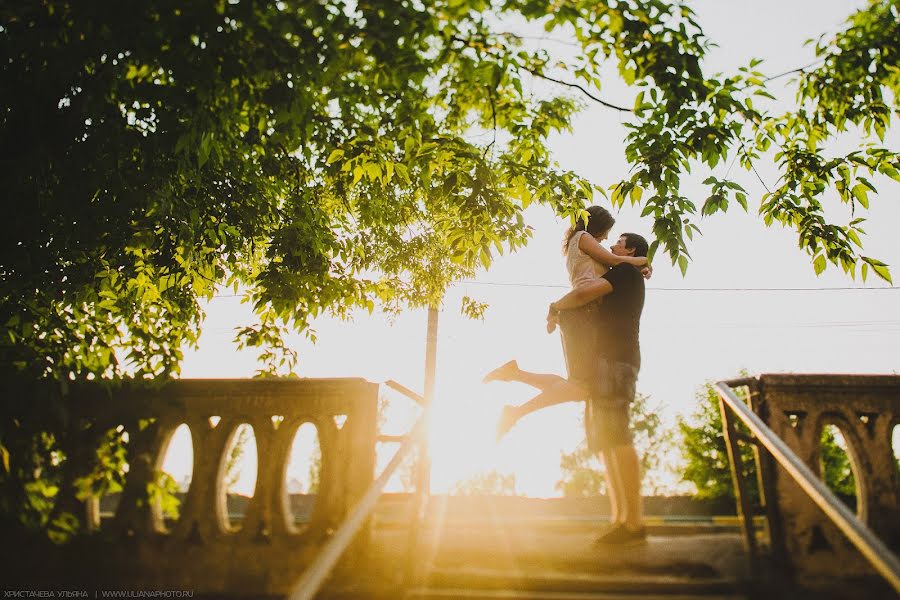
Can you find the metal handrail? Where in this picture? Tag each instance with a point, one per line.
(879, 555)
(312, 579)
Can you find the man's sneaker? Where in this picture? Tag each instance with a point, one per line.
(504, 372)
(620, 535)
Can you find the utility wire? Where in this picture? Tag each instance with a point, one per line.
(660, 289)
(694, 289)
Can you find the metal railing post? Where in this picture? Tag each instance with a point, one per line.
(744, 512)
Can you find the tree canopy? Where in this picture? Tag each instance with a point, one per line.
(327, 155)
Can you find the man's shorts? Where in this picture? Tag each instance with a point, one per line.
(606, 418)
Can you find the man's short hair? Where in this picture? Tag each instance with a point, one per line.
(637, 243)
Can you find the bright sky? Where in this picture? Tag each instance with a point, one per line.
(690, 333)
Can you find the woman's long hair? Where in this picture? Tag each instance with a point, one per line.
(599, 220)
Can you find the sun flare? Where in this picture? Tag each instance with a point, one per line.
(462, 440)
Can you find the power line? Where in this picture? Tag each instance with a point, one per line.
(695, 289)
(659, 289)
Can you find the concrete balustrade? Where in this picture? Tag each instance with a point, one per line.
(865, 408)
(202, 551)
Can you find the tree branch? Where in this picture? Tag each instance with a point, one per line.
(579, 88)
(494, 119)
(797, 70)
(536, 73)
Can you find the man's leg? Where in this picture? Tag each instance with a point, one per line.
(613, 488)
(629, 474)
(623, 479)
(611, 433)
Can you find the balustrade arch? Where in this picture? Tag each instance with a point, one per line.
(201, 551)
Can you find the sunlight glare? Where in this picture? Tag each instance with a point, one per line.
(461, 438)
(178, 461)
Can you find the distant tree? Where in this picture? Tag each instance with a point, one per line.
(582, 474)
(706, 463)
(582, 471)
(315, 471)
(835, 465)
(235, 454)
(489, 483)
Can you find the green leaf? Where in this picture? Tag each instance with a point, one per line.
(868, 184)
(403, 172)
(683, 264)
(890, 172)
(883, 272)
(203, 153)
(861, 193)
(636, 193)
(873, 261)
(819, 264)
(335, 155)
(879, 267)
(373, 170)
(485, 257)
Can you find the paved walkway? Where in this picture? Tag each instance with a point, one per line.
(518, 556)
(519, 548)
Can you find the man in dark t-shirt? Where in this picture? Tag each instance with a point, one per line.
(602, 352)
(618, 360)
(602, 348)
(619, 317)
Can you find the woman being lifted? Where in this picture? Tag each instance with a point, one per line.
(586, 262)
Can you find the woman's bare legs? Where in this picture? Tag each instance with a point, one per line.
(554, 390)
(511, 372)
(563, 391)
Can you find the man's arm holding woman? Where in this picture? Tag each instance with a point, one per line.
(600, 287)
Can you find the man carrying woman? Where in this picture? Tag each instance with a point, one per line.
(600, 324)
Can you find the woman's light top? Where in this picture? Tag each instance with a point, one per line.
(582, 268)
